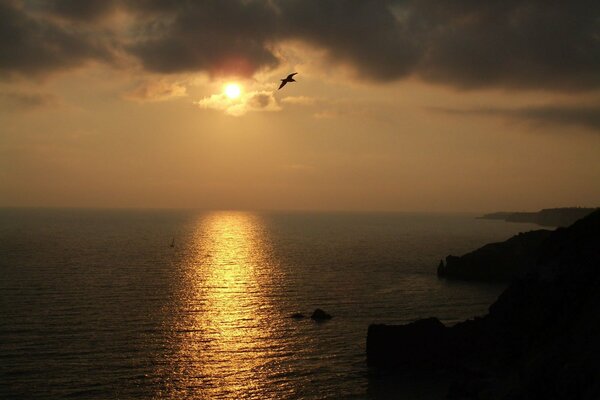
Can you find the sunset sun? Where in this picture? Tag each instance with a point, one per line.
(232, 90)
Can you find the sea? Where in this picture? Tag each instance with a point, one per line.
(186, 304)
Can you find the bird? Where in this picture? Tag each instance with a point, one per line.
(290, 78)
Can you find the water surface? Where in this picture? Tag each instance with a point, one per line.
(96, 304)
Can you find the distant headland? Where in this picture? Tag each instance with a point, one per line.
(547, 217)
(504, 261)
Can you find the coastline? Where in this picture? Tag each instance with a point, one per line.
(537, 341)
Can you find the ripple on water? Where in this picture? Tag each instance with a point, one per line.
(95, 304)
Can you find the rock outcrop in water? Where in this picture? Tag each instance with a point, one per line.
(546, 217)
(501, 261)
(320, 315)
(540, 339)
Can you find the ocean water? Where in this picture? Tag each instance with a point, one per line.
(95, 304)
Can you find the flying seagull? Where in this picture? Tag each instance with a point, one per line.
(290, 78)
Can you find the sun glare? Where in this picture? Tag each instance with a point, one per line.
(232, 91)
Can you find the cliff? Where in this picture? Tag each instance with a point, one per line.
(547, 217)
(541, 339)
(500, 261)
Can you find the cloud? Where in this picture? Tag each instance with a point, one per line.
(464, 43)
(156, 90)
(247, 102)
(34, 46)
(326, 108)
(365, 35)
(77, 10)
(219, 37)
(513, 43)
(587, 116)
(300, 100)
(18, 100)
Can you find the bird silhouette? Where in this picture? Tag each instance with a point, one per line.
(290, 78)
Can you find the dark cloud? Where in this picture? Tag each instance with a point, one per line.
(365, 34)
(35, 46)
(515, 43)
(221, 37)
(587, 115)
(466, 43)
(78, 10)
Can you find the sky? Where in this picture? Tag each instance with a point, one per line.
(398, 106)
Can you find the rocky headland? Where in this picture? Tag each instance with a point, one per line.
(557, 217)
(540, 339)
(496, 262)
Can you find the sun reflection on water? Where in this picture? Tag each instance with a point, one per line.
(224, 344)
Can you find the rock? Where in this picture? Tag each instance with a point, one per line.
(441, 268)
(320, 315)
(297, 316)
(420, 344)
(540, 339)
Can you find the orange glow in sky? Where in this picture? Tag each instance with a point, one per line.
(191, 116)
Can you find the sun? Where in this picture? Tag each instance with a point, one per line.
(232, 90)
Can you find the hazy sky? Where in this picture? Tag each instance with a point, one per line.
(399, 105)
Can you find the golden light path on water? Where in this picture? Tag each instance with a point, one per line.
(226, 345)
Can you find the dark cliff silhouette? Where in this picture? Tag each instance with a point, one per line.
(500, 261)
(546, 217)
(540, 339)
